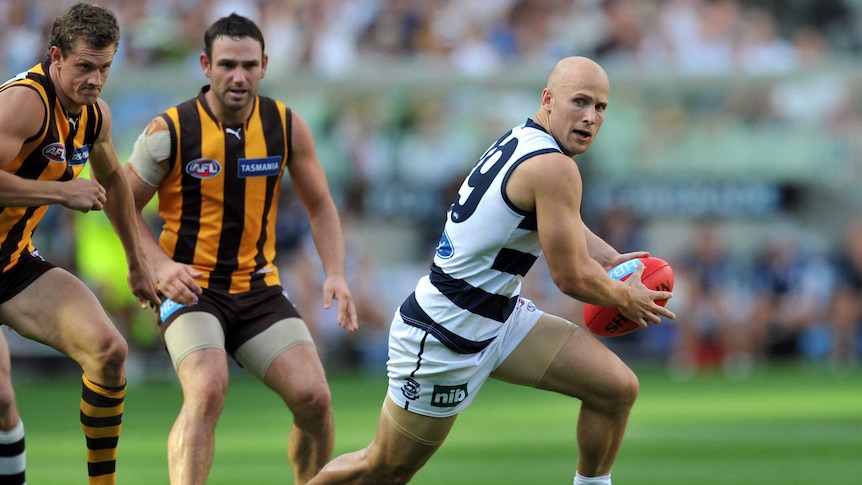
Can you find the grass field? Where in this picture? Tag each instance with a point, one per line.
(783, 426)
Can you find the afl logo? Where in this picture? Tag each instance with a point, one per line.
(56, 152)
(203, 168)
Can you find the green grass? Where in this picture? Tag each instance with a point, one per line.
(782, 426)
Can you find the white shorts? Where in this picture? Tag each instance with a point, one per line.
(428, 378)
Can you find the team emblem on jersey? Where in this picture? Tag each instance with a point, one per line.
(410, 388)
(55, 152)
(444, 247)
(80, 155)
(203, 168)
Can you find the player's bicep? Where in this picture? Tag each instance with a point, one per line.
(561, 229)
(22, 116)
(306, 172)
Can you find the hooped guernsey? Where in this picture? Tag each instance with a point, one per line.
(487, 247)
(58, 152)
(219, 197)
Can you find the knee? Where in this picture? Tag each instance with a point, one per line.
(8, 409)
(311, 404)
(207, 396)
(625, 387)
(111, 350)
(616, 394)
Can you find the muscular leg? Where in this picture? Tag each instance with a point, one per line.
(403, 444)
(586, 369)
(203, 376)
(9, 417)
(298, 377)
(58, 310)
(12, 453)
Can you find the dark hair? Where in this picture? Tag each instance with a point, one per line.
(95, 25)
(234, 26)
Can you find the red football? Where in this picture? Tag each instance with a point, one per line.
(609, 321)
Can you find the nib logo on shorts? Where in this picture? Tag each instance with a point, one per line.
(448, 396)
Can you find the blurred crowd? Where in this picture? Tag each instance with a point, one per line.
(396, 158)
(336, 38)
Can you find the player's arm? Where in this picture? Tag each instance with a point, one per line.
(551, 184)
(119, 207)
(147, 166)
(22, 115)
(605, 254)
(312, 188)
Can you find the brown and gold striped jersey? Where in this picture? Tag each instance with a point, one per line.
(58, 151)
(220, 196)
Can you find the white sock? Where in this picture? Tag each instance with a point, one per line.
(582, 480)
(13, 459)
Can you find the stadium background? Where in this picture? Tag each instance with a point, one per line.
(731, 121)
(733, 130)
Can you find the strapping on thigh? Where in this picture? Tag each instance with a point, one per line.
(191, 332)
(529, 362)
(421, 429)
(258, 354)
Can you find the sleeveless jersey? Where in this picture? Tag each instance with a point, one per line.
(58, 151)
(487, 247)
(220, 196)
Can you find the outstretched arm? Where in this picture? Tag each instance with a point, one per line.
(176, 280)
(312, 189)
(119, 208)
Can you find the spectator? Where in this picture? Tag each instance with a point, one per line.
(846, 307)
(713, 328)
(790, 296)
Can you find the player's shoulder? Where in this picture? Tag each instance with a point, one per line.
(17, 94)
(23, 108)
(550, 165)
(103, 106)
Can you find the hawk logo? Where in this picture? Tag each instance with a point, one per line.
(234, 132)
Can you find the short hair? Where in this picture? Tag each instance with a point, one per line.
(235, 26)
(94, 24)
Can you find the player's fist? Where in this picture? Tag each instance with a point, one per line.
(83, 194)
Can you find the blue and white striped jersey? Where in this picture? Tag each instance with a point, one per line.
(487, 247)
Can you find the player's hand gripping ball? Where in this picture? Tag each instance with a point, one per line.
(609, 321)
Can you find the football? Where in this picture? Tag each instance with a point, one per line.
(609, 321)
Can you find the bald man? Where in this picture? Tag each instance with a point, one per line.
(466, 320)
